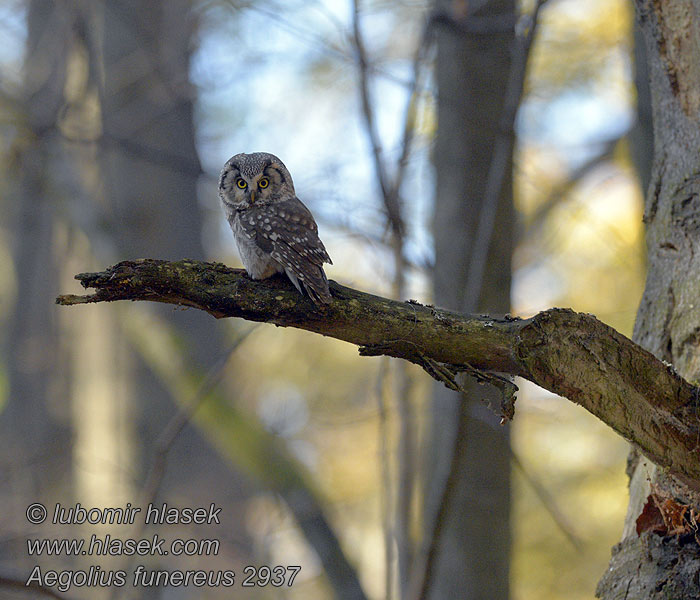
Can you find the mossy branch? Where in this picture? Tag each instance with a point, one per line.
(568, 353)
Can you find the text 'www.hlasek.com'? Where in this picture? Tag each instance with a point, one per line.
(142, 550)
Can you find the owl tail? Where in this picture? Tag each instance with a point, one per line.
(316, 288)
(320, 294)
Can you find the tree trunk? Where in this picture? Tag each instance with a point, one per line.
(34, 430)
(648, 566)
(151, 173)
(471, 72)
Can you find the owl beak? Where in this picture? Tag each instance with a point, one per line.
(252, 196)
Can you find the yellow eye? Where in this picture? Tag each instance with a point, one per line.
(263, 183)
(241, 183)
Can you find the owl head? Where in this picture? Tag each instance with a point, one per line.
(256, 179)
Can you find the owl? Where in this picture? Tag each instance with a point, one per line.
(274, 231)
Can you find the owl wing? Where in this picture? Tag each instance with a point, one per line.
(287, 231)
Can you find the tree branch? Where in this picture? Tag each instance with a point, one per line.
(568, 353)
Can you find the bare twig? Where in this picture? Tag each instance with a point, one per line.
(142, 151)
(424, 569)
(321, 43)
(419, 62)
(560, 191)
(172, 430)
(548, 502)
(393, 207)
(391, 188)
(393, 211)
(420, 585)
(177, 423)
(500, 159)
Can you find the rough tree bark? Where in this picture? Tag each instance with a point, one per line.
(668, 322)
(571, 354)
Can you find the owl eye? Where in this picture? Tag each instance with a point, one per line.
(241, 183)
(263, 183)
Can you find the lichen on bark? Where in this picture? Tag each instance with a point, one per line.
(571, 354)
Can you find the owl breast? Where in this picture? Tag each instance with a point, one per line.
(258, 263)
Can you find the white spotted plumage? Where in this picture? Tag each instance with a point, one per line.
(274, 231)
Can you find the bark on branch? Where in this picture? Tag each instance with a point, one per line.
(571, 354)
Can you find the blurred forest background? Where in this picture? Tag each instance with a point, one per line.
(115, 119)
